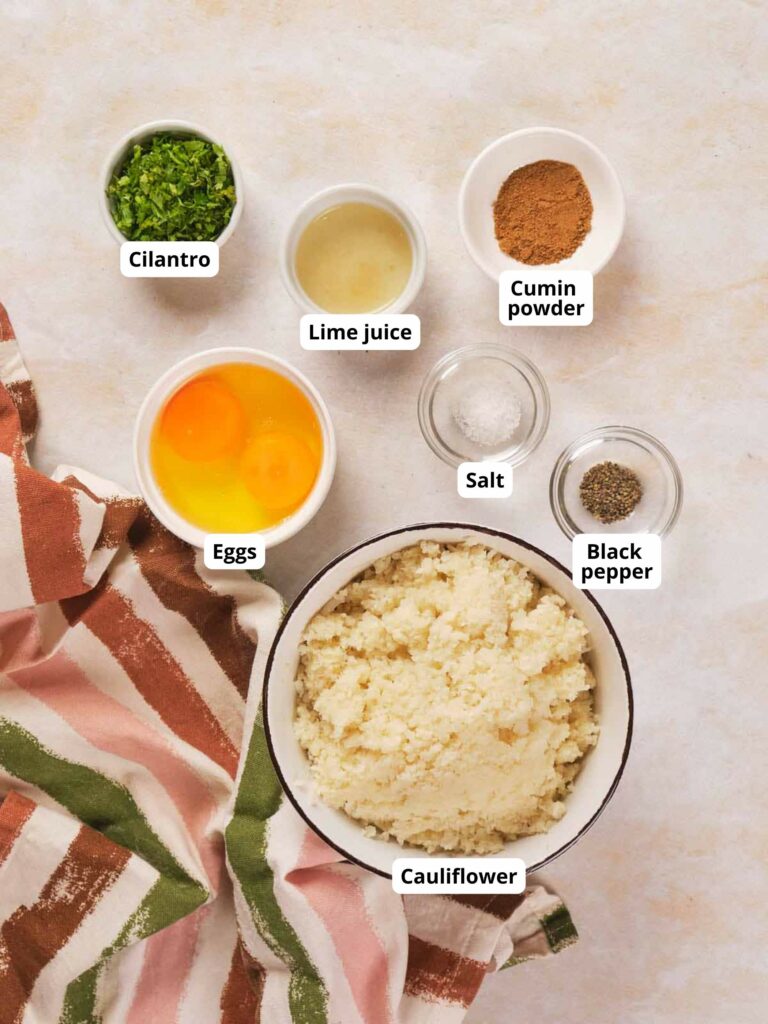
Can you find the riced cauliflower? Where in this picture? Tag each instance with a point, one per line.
(444, 699)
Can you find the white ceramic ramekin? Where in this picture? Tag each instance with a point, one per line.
(162, 391)
(141, 134)
(492, 167)
(602, 768)
(353, 193)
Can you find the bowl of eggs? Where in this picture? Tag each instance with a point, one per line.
(234, 440)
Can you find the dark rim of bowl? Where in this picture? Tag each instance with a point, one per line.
(439, 526)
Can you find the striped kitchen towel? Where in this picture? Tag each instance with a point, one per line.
(148, 873)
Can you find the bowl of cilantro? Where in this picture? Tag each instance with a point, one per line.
(171, 181)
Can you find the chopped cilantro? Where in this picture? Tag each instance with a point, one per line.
(173, 189)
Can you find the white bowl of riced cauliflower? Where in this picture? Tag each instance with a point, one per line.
(444, 689)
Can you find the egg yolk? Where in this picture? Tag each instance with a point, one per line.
(279, 469)
(204, 421)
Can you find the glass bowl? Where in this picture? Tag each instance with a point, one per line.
(482, 367)
(657, 510)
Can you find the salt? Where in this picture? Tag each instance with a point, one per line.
(487, 414)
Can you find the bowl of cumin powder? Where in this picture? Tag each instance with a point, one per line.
(541, 198)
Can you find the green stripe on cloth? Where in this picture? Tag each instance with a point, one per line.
(159, 908)
(105, 805)
(559, 929)
(108, 808)
(258, 798)
(80, 1000)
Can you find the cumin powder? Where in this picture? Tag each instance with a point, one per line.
(543, 212)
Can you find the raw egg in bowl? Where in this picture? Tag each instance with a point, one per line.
(234, 440)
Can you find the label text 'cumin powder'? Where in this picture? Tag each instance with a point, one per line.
(543, 212)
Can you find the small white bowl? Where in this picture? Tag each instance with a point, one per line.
(493, 166)
(353, 193)
(602, 767)
(139, 135)
(162, 391)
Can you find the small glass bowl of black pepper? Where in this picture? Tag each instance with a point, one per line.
(616, 480)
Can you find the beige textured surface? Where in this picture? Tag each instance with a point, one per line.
(669, 889)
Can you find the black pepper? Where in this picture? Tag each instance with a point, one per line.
(610, 492)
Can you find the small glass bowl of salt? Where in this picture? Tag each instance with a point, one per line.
(483, 403)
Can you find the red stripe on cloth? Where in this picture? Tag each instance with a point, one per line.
(32, 936)
(13, 429)
(168, 566)
(6, 330)
(119, 513)
(23, 396)
(153, 671)
(438, 975)
(11, 442)
(15, 811)
(50, 529)
(501, 907)
(243, 992)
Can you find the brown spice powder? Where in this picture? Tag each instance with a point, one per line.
(543, 212)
